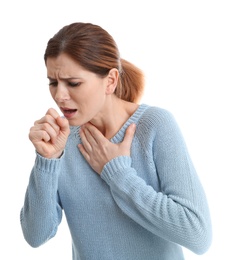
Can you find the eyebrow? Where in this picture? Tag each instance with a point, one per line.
(70, 78)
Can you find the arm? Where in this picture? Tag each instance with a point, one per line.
(179, 212)
(41, 212)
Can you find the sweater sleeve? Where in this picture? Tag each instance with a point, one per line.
(179, 212)
(41, 212)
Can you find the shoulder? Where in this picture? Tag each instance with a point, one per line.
(156, 116)
(157, 123)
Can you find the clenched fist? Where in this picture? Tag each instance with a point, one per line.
(49, 134)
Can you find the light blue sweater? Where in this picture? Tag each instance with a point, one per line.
(143, 207)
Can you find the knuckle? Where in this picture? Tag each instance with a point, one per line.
(45, 126)
(52, 112)
(48, 117)
(49, 111)
(31, 128)
(36, 122)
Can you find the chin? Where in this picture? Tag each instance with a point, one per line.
(75, 122)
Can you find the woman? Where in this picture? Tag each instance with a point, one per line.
(119, 170)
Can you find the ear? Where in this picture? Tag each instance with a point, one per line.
(112, 80)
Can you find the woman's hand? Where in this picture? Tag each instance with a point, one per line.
(49, 134)
(98, 150)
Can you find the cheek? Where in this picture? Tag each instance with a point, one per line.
(98, 97)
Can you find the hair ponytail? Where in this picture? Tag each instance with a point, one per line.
(131, 82)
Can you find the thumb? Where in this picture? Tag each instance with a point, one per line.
(129, 135)
(64, 125)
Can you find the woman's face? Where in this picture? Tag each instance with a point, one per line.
(80, 94)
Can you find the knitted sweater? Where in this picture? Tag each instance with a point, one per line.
(143, 207)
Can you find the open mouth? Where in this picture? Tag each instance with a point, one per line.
(68, 112)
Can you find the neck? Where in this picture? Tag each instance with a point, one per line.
(113, 116)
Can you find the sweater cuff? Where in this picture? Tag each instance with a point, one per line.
(47, 165)
(115, 167)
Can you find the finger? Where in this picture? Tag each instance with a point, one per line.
(96, 136)
(87, 146)
(53, 112)
(46, 130)
(39, 135)
(129, 135)
(52, 115)
(63, 124)
(89, 133)
(48, 119)
(84, 152)
(45, 136)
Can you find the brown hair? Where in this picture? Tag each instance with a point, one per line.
(95, 50)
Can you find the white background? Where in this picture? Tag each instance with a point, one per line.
(190, 52)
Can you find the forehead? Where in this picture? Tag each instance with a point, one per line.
(62, 61)
(63, 66)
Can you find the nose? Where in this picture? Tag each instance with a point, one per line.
(61, 93)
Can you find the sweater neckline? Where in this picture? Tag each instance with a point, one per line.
(118, 137)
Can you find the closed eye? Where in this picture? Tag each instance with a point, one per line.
(53, 83)
(71, 84)
(74, 84)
